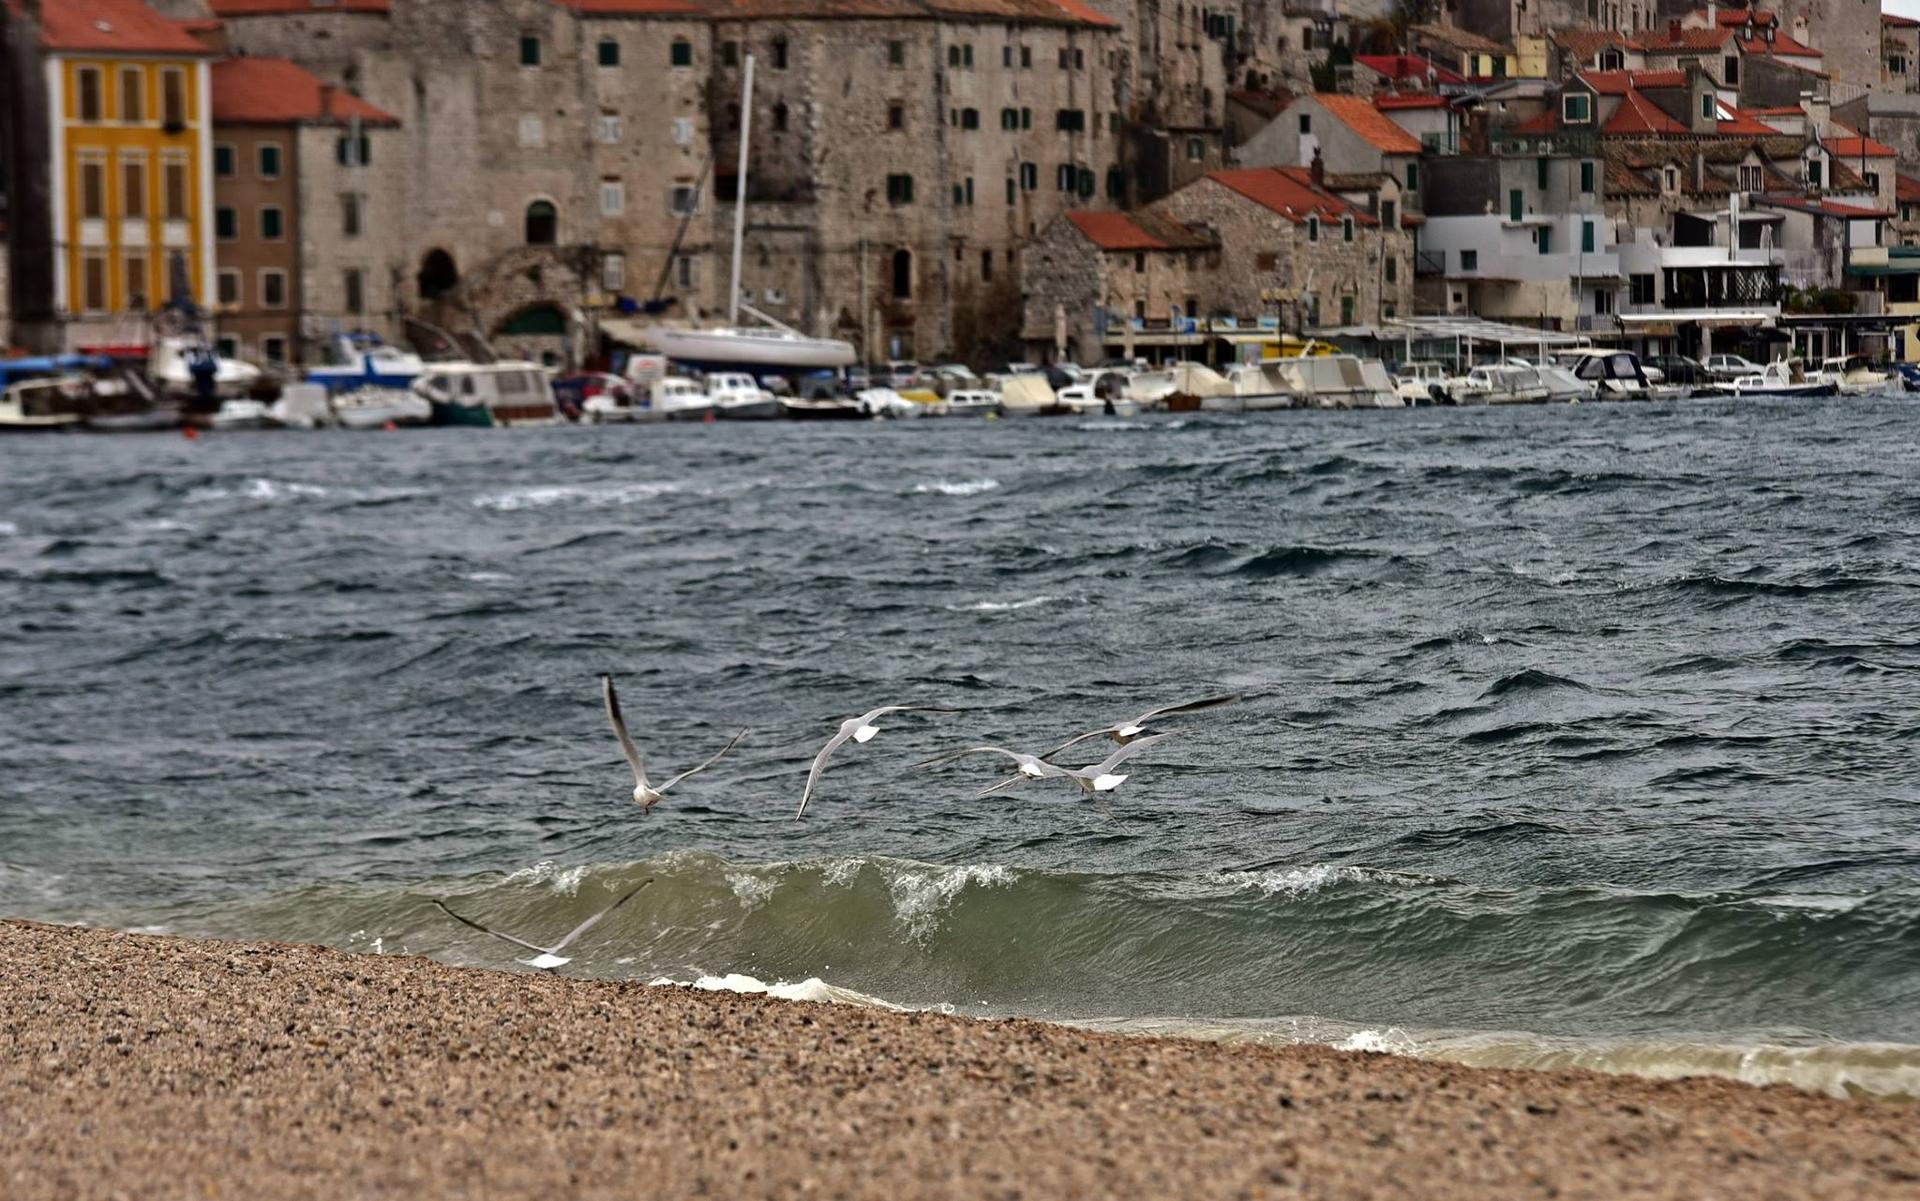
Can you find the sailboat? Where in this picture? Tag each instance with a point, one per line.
(737, 347)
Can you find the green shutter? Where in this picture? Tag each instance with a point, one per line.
(1586, 237)
(1515, 209)
(1540, 167)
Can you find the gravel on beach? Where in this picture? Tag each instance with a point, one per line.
(150, 1067)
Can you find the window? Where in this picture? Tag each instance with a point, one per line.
(226, 225)
(686, 271)
(779, 54)
(136, 293)
(1029, 176)
(780, 118)
(542, 224)
(1603, 303)
(1066, 59)
(986, 266)
(1116, 184)
(1873, 180)
(273, 289)
(1612, 60)
(1026, 56)
(1392, 267)
(903, 274)
(1313, 309)
(730, 54)
(896, 115)
(681, 53)
(93, 284)
(223, 162)
(133, 187)
(174, 181)
(1541, 169)
(1671, 178)
(609, 52)
(1346, 229)
(899, 189)
(1897, 64)
(1010, 191)
(1387, 214)
(272, 223)
(1640, 288)
(529, 50)
(1707, 106)
(173, 97)
(273, 348)
(1813, 172)
(683, 131)
(227, 287)
(1313, 228)
(1750, 177)
(1086, 183)
(1586, 178)
(353, 282)
(969, 118)
(1469, 260)
(269, 161)
(93, 189)
(1576, 108)
(1346, 310)
(1065, 177)
(1413, 177)
(88, 80)
(953, 55)
(133, 97)
(683, 201)
(1586, 237)
(610, 129)
(1516, 204)
(1306, 124)
(350, 153)
(896, 54)
(1732, 64)
(1070, 120)
(533, 133)
(1139, 262)
(1196, 150)
(1546, 239)
(613, 198)
(1009, 118)
(1026, 118)
(613, 271)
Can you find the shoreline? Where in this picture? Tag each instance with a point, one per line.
(160, 1066)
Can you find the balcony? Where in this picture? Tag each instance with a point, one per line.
(1429, 262)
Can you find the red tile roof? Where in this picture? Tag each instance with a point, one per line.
(1585, 43)
(1377, 129)
(109, 27)
(1546, 122)
(1619, 83)
(1115, 231)
(1682, 41)
(1779, 110)
(273, 91)
(1390, 101)
(1857, 147)
(1781, 44)
(1743, 124)
(1737, 16)
(1408, 66)
(1288, 191)
(1899, 22)
(281, 8)
(1906, 187)
(1638, 115)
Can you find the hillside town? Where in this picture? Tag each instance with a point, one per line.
(980, 181)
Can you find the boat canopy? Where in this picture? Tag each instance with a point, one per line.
(27, 368)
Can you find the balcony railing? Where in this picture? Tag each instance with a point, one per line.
(1429, 262)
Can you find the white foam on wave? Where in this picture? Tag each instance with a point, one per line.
(589, 496)
(486, 577)
(563, 880)
(811, 989)
(257, 488)
(958, 487)
(1003, 606)
(1310, 878)
(753, 890)
(922, 896)
(8, 529)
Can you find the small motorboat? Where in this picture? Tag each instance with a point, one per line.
(677, 398)
(1415, 382)
(171, 366)
(885, 402)
(969, 402)
(372, 408)
(1782, 378)
(1338, 381)
(736, 396)
(1500, 384)
(1257, 388)
(243, 414)
(1855, 375)
(46, 405)
(826, 408)
(364, 360)
(1084, 400)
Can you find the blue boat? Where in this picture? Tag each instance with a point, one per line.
(363, 360)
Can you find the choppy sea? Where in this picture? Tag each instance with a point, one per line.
(1576, 735)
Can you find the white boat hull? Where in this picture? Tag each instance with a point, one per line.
(724, 348)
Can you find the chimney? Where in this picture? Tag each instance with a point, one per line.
(1713, 15)
(1699, 171)
(326, 100)
(1319, 169)
(1673, 30)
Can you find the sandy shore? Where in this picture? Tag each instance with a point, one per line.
(151, 1067)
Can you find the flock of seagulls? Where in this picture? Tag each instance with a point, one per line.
(1131, 736)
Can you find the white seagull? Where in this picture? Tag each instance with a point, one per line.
(860, 729)
(544, 958)
(644, 794)
(1100, 777)
(1030, 767)
(1125, 732)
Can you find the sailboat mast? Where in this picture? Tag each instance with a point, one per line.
(740, 193)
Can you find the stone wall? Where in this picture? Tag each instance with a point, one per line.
(380, 251)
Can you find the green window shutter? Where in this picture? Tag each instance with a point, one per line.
(1515, 209)
(1586, 237)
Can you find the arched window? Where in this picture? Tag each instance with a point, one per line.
(903, 274)
(438, 275)
(543, 224)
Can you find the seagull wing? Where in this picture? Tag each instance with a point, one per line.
(627, 748)
(1009, 782)
(1122, 754)
(1073, 742)
(950, 756)
(587, 925)
(704, 766)
(1212, 702)
(820, 763)
(874, 715)
(467, 921)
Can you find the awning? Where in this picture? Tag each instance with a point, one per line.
(1730, 317)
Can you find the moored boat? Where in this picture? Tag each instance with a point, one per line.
(366, 361)
(677, 398)
(243, 413)
(45, 405)
(373, 408)
(837, 408)
(488, 394)
(1855, 375)
(736, 396)
(1781, 379)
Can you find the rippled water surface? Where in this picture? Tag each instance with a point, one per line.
(1595, 724)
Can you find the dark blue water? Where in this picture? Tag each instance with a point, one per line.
(1588, 727)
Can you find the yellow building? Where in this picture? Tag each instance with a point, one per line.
(129, 168)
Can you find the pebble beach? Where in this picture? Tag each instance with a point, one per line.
(142, 1066)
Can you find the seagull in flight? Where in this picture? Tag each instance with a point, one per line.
(545, 958)
(859, 729)
(1125, 732)
(644, 794)
(1030, 767)
(1100, 777)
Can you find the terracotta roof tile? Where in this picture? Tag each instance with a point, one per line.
(1392, 101)
(1458, 38)
(1585, 43)
(1896, 21)
(1288, 191)
(1906, 187)
(1779, 110)
(109, 26)
(1744, 124)
(281, 8)
(1683, 41)
(1269, 103)
(1638, 116)
(1358, 114)
(1041, 12)
(1619, 83)
(1857, 147)
(1134, 231)
(273, 91)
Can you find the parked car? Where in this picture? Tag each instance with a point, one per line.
(900, 373)
(1731, 366)
(1677, 369)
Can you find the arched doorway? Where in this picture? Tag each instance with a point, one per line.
(438, 275)
(903, 274)
(543, 224)
(544, 320)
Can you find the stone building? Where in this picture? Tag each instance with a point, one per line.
(309, 184)
(1349, 134)
(1267, 241)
